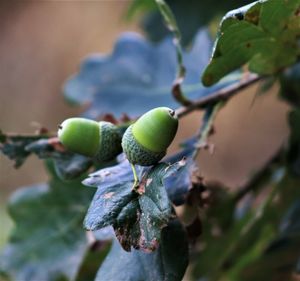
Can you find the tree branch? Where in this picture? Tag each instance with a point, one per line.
(220, 95)
(207, 127)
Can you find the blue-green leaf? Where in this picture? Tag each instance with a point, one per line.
(48, 242)
(168, 262)
(137, 217)
(138, 76)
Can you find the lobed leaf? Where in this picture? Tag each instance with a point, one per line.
(139, 74)
(14, 147)
(48, 242)
(67, 165)
(190, 16)
(168, 262)
(247, 35)
(137, 217)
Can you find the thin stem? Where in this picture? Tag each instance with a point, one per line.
(222, 94)
(135, 176)
(207, 127)
(171, 24)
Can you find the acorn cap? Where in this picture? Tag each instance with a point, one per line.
(80, 135)
(138, 154)
(110, 142)
(156, 129)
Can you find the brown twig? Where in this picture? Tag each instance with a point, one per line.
(219, 95)
(207, 128)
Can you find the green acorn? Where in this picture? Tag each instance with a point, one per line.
(146, 141)
(100, 140)
(110, 142)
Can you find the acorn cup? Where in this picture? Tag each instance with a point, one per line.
(100, 140)
(146, 141)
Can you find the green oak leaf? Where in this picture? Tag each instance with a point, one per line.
(48, 241)
(264, 34)
(190, 15)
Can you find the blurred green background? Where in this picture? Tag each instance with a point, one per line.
(43, 42)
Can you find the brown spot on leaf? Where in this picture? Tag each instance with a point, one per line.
(153, 246)
(253, 16)
(208, 79)
(182, 162)
(108, 195)
(149, 248)
(123, 235)
(141, 188)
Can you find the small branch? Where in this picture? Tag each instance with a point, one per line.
(220, 95)
(207, 127)
(178, 94)
(171, 24)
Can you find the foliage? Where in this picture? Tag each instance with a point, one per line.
(190, 16)
(135, 72)
(247, 35)
(248, 234)
(168, 262)
(137, 218)
(48, 220)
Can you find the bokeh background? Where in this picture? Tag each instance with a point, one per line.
(43, 42)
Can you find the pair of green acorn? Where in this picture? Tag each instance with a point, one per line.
(145, 142)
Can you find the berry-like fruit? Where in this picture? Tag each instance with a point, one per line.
(110, 142)
(80, 135)
(100, 140)
(146, 141)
